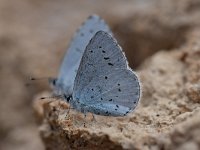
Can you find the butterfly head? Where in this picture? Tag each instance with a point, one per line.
(57, 88)
(53, 82)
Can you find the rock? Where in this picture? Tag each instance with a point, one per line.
(166, 118)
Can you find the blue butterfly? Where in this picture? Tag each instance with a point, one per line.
(95, 76)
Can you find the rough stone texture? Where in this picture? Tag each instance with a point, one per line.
(167, 117)
(161, 40)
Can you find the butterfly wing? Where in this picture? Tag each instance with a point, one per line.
(72, 58)
(104, 83)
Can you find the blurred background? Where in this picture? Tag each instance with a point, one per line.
(34, 35)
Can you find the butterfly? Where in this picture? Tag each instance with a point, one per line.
(95, 76)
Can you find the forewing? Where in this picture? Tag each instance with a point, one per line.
(75, 51)
(104, 78)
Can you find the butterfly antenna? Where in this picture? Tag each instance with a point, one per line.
(53, 99)
(31, 79)
(42, 78)
(70, 108)
(56, 97)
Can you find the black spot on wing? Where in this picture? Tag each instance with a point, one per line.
(128, 111)
(110, 64)
(106, 58)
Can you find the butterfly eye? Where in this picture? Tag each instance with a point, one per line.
(54, 82)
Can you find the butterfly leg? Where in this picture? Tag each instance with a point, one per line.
(85, 115)
(68, 111)
(93, 118)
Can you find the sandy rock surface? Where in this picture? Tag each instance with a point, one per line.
(167, 117)
(161, 39)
